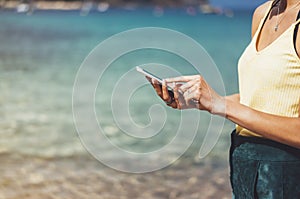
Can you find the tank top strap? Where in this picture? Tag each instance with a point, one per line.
(263, 20)
(296, 27)
(298, 19)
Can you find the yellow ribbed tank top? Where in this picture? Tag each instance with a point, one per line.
(269, 80)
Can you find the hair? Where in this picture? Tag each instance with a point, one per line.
(275, 2)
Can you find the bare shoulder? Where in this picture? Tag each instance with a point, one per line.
(259, 13)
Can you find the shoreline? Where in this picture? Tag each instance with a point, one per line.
(82, 6)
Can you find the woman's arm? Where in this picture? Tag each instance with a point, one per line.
(278, 128)
(234, 97)
(282, 129)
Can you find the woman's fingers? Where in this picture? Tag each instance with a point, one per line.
(168, 96)
(179, 98)
(186, 94)
(165, 94)
(181, 79)
(192, 95)
(190, 84)
(158, 88)
(176, 97)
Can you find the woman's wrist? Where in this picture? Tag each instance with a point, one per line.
(219, 107)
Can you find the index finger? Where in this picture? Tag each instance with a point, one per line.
(181, 79)
(165, 92)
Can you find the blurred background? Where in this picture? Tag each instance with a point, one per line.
(43, 44)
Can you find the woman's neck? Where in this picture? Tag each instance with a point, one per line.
(289, 3)
(286, 4)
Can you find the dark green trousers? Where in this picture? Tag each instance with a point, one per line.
(263, 169)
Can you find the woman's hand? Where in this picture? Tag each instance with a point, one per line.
(190, 92)
(173, 98)
(194, 92)
(163, 92)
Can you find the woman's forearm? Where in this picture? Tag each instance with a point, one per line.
(278, 128)
(282, 129)
(234, 97)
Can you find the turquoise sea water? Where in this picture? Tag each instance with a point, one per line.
(40, 55)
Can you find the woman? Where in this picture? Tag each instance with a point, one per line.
(265, 150)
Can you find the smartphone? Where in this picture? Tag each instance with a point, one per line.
(170, 89)
(148, 74)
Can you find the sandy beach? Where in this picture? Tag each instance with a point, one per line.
(85, 178)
